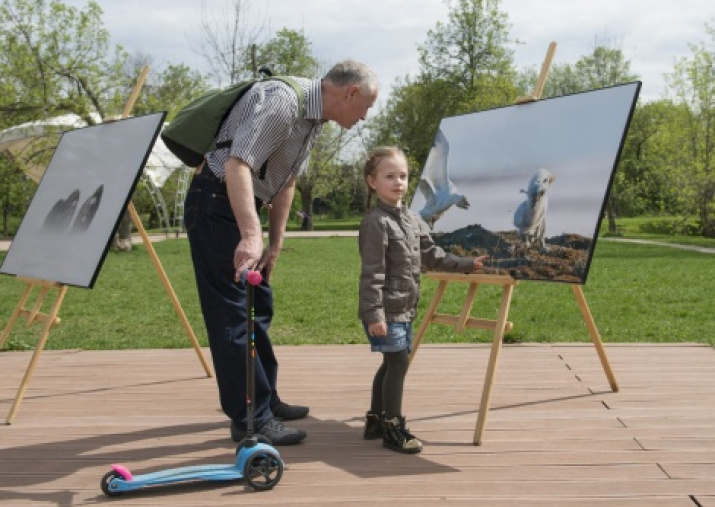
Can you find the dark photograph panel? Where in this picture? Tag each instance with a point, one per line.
(526, 184)
(86, 187)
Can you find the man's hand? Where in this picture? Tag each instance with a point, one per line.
(248, 255)
(268, 261)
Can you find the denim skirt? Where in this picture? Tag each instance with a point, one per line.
(399, 337)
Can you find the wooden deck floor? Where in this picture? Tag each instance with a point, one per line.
(556, 434)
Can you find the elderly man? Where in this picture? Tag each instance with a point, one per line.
(271, 141)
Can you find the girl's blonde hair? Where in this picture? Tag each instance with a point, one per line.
(374, 158)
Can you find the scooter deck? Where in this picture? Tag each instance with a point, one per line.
(190, 473)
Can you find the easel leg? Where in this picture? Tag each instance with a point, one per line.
(588, 318)
(467, 307)
(431, 310)
(169, 289)
(36, 355)
(507, 291)
(147, 243)
(15, 314)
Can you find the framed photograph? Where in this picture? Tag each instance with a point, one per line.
(527, 184)
(69, 226)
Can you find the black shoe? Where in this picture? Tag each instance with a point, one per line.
(274, 430)
(373, 426)
(289, 412)
(397, 437)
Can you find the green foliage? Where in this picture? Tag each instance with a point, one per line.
(471, 52)
(693, 86)
(169, 90)
(643, 184)
(15, 188)
(56, 59)
(289, 53)
(636, 293)
(663, 229)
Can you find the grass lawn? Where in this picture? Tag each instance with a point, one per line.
(637, 293)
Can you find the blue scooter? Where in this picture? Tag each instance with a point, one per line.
(257, 461)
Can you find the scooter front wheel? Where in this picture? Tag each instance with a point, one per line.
(263, 470)
(106, 483)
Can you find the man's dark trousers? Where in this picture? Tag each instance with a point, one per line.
(213, 236)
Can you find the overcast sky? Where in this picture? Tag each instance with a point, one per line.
(385, 33)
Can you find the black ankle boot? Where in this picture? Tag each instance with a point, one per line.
(397, 437)
(373, 425)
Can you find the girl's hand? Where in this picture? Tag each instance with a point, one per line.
(479, 263)
(377, 329)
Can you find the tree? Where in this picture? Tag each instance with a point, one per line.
(563, 80)
(15, 192)
(466, 65)
(168, 90)
(692, 85)
(471, 53)
(326, 175)
(288, 53)
(227, 38)
(56, 59)
(605, 66)
(643, 177)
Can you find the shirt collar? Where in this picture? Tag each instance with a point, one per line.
(393, 210)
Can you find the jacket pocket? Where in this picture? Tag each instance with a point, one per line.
(399, 295)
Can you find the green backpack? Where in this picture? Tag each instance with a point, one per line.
(192, 133)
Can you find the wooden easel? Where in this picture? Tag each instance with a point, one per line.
(50, 320)
(501, 324)
(33, 315)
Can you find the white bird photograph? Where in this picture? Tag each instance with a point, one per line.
(489, 184)
(439, 191)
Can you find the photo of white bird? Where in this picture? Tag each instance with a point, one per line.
(530, 216)
(439, 191)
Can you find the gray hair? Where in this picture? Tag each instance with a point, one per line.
(350, 72)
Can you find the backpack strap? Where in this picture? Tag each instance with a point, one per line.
(298, 93)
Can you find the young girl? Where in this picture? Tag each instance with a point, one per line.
(394, 243)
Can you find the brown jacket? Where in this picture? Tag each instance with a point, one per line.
(394, 245)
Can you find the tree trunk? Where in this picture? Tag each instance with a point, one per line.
(306, 202)
(123, 238)
(611, 215)
(5, 212)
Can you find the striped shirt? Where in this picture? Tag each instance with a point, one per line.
(270, 134)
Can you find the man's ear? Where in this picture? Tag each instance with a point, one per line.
(353, 91)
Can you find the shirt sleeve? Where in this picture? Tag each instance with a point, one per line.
(267, 114)
(372, 241)
(435, 259)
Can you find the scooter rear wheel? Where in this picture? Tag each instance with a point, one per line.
(263, 470)
(105, 484)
